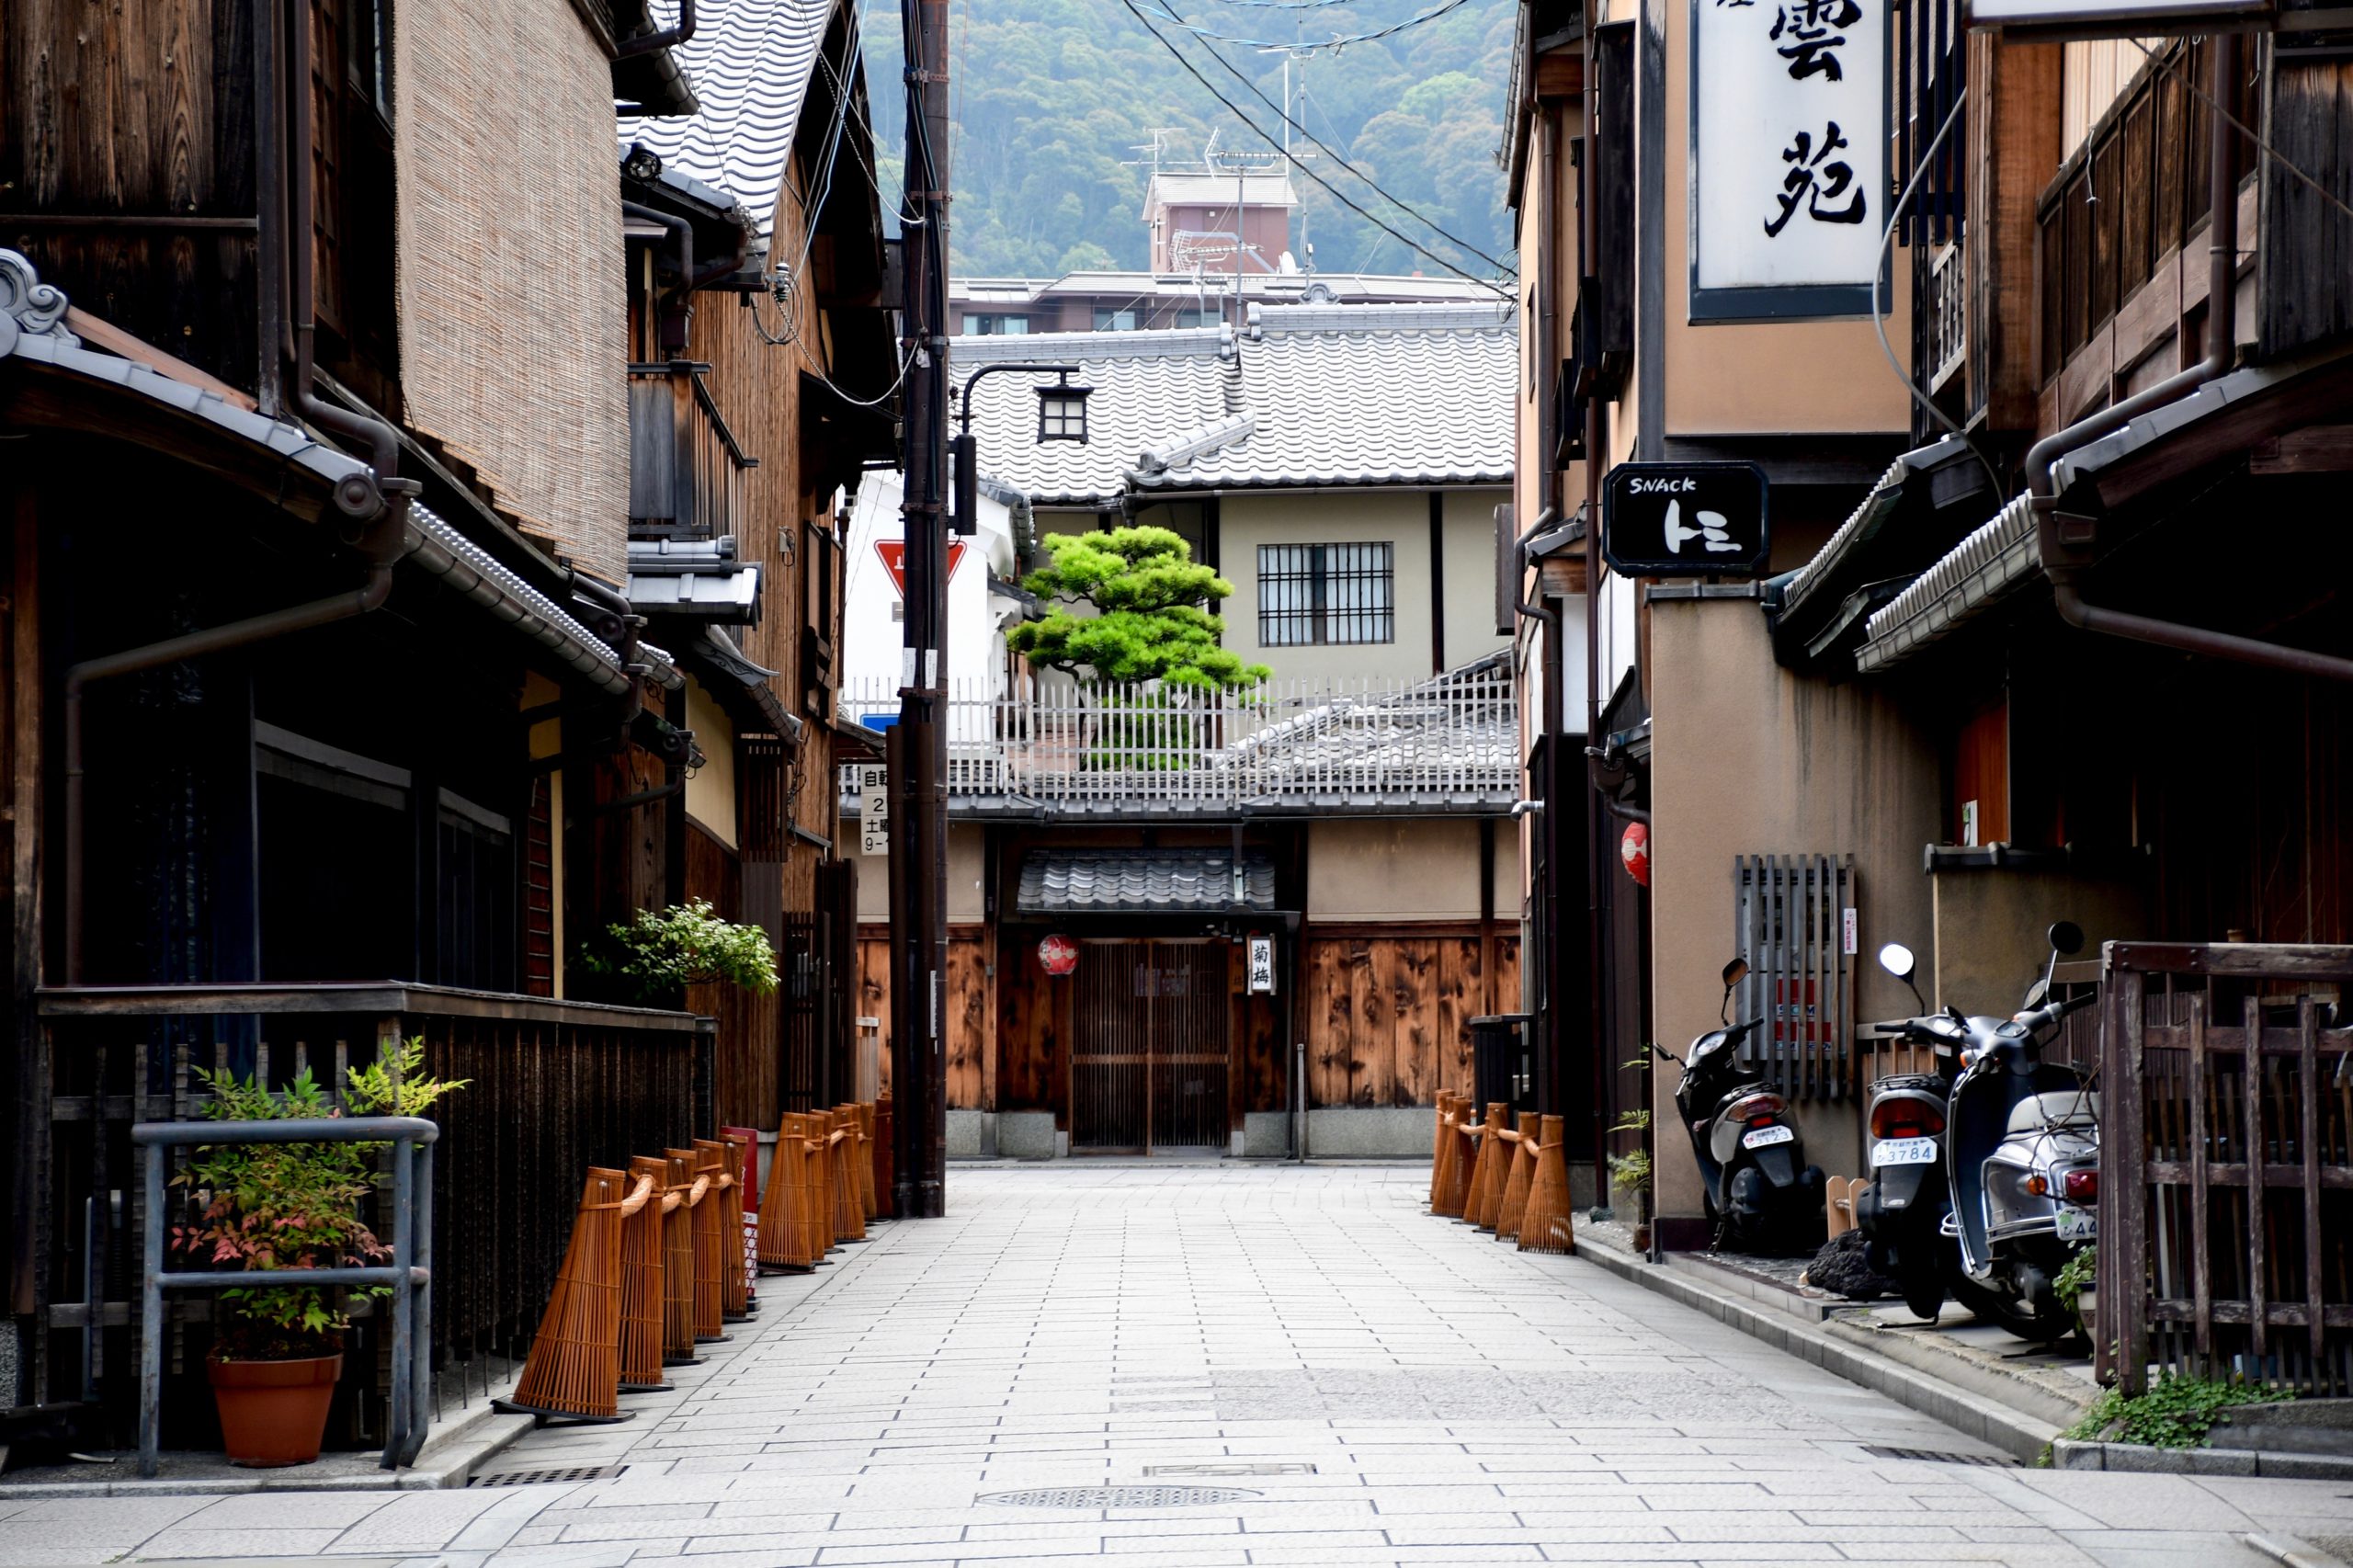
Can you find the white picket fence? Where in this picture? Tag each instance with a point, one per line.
(1453, 740)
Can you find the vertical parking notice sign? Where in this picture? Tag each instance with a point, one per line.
(873, 808)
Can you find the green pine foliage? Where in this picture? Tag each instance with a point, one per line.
(1150, 617)
(1053, 99)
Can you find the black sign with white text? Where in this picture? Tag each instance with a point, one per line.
(1695, 520)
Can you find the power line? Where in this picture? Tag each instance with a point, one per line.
(1338, 41)
(1327, 150)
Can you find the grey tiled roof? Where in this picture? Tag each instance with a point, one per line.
(1337, 394)
(1141, 882)
(1149, 388)
(750, 62)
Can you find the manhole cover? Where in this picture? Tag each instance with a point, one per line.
(1935, 1455)
(544, 1477)
(1232, 1467)
(1118, 1496)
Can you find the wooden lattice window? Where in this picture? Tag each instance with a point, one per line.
(1794, 922)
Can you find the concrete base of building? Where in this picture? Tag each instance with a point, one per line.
(972, 1135)
(1371, 1132)
(1265, 1134)
(1026, 1135)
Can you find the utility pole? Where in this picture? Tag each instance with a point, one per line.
(919, 763)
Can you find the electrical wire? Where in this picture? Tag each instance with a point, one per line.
(1878, 317)
(1327, 150)
(1310, 46)
(2173, 63)
(1236, 110)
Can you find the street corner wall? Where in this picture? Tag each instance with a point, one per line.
(509, 263)
(1748, 759)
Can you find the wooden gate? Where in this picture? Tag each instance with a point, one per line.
(1149, 1047)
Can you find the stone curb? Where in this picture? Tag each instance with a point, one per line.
(2014, 1432)
(2290, 1551)
(2144, 1461)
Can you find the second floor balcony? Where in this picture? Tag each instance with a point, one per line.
(686, 471)
(1444, 746)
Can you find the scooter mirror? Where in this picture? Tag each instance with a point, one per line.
(2036, 994)
(1734, 973)
(1896, 958)
(2066, 936)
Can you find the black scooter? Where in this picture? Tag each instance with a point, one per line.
(1760, 1195)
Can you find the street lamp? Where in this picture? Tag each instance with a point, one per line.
(1061, 416)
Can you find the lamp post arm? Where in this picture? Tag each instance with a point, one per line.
(964, 408)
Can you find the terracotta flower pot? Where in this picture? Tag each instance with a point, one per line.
(274, 1412)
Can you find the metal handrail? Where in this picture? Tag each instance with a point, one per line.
(410, 1273)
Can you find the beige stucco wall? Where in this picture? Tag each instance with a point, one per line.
(967, 862)
(710, 789)
(1404, 869)
(1400, 518)
(1746, 760)
(1989, 938)
(1743, 377)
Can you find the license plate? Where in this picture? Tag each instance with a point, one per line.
(1765, 1137)
(2078, 1224)
(1904, 1151)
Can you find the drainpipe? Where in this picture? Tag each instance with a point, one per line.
(196, 645)
(1588, 264)
(669, 38)
(379, 500)
(620, 625)
(2222, 294)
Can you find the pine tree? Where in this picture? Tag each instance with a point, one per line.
(1151, 620)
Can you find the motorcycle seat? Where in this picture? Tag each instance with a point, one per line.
(2058, 1107)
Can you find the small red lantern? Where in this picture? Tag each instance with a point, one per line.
(1635, 850)
(1059, 954)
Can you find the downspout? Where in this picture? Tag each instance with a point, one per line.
(2221, 297)
(683, 233)
(669, 38)
(1588, 181)
(380, 500)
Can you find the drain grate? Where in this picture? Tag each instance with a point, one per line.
(1232, 1467)
(1118, 1496)
(544, 1477)
(1935, 1456)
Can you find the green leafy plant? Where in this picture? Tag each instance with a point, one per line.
(2175, 1411)
(1630, 1173)
(267, 1207)
(1151, 620)
(2081, 1274)
(654, 953)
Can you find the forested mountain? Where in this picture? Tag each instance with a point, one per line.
(1056, 103)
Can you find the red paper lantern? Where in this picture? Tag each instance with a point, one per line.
(1059, 954)
(1634, 851)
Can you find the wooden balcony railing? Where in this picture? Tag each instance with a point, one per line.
(1447, 744)
(552, 1088)
(686, 468)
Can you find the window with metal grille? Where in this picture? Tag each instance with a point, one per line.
(1794, 923)
(1311, 594)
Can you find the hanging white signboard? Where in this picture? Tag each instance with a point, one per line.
(1789, 157)
(873, 808)
(2111, 19)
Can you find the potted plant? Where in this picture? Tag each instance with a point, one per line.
(1630, 1174)
(654, 955)
(265, 1208)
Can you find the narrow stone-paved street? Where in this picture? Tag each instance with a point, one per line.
(1427, 1394)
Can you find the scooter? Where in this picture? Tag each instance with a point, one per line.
(2019, 1158)
(1760, 1195)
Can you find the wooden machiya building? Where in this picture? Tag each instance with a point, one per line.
(345, 368)
(2071, 645)
(1178, 926)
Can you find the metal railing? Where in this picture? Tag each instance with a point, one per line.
(2226, 1165)
(409, 1276)
(553, 1087)
(686, 468)
(1107, 748)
